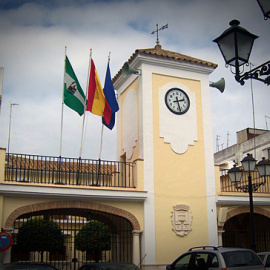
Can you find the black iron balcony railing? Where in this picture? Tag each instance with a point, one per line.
(68, 171)
(227, 186)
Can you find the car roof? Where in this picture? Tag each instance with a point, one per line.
(225, 249)
(216, 249)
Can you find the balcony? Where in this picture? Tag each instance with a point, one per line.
(226, 185)
(47, 170)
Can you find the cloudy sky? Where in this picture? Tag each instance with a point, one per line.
(34, 34)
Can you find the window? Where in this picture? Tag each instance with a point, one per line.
(197, 260)
(240, 258)
(183, 263)
(261, 257)
(267, 262)
(205, 260)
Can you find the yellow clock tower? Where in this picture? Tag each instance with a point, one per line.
(165, 121)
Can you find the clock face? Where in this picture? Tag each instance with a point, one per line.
(177, 101)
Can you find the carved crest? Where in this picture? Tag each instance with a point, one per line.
(181, 219)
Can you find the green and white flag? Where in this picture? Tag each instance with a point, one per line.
(74, 96)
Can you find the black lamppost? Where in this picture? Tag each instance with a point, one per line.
(235, 174)
(236, 44)
(265, 7)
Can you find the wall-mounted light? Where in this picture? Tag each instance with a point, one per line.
(265, 7)
(236, 44)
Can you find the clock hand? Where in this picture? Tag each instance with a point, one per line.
(177, 100)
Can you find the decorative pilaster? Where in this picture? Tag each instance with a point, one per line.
(136, 247)
(220, 232)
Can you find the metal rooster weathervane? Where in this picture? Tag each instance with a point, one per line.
(158, 29)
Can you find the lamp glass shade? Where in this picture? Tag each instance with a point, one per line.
(263, 167)
(265, 7)
(227, 47)
(235, 44)
(235, 174)
(249, 163)
(244, 46)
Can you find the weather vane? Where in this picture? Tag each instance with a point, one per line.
(158, 29)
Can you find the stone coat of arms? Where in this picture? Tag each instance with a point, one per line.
(181, 219)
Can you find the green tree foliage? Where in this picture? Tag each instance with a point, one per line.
(40, 235)
(94, 236)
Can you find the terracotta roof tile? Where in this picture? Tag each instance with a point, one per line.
(22, 163)
(158, 52)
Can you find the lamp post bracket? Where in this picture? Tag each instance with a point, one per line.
(256, 73)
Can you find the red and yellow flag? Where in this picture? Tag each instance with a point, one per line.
(97, 103)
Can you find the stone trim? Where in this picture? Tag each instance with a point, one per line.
(245, 209)
(72, 204)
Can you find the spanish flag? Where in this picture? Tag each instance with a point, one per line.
(97, 103)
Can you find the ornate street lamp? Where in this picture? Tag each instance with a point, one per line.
(265, 7)
(263, 167)
(249, 163)
(236, 44)
(235, 174)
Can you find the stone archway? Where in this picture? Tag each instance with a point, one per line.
(79, 206)
(246, 209)
(236, 230)
(72, 204)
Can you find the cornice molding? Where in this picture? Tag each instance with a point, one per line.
(241, 200)
(72, 193)
(141, 59)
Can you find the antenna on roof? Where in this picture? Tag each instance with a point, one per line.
(158, 29)
(217, 143)
(266, 121)
(228, 134)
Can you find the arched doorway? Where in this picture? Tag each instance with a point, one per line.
(72, 220)
(237, 232)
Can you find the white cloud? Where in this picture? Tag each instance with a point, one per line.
(33, 39)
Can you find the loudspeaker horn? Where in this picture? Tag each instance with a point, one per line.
(220, 85)
(127, 69)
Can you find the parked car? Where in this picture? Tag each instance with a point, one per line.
(109, 266)
(28, 266)
(265, 257)
(215, 258)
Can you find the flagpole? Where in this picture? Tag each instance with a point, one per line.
(86, 97)
(62, 111)
(101, 139)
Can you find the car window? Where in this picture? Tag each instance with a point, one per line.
(213, 261)
(261, 257)
(204, 260)
(267, 263)
(200, 260)
(183, 263)
(240, 258)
